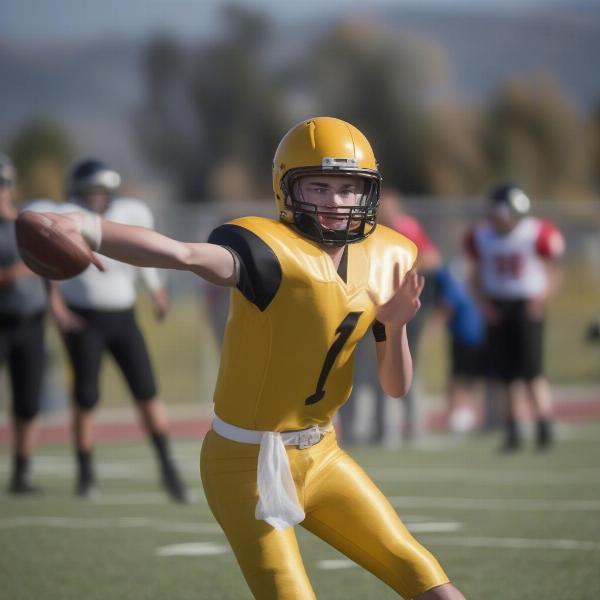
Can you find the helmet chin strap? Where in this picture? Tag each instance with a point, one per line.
(309, 226)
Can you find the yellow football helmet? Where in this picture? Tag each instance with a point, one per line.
(326, 146)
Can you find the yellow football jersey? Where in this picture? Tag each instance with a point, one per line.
(294, 321)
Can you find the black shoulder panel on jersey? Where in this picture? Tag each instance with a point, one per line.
(379, 331)
(260, 271)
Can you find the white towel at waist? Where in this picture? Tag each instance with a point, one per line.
(278, 503)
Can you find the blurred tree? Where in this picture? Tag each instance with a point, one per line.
(456, 165)
(379, 79)
(213, 110)
(533, 134)
(41, 151)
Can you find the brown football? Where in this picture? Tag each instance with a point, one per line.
(47, 250)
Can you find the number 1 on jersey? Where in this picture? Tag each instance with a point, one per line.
(344, 331)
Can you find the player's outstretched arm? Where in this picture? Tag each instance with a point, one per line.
(147, 248)
(144, 247)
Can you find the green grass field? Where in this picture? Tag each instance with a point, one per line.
(505, 527)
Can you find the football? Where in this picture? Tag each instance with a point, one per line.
(47, 250)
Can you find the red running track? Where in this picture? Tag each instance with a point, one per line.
(573, 411)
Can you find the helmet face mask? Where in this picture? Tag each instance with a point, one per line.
(318, 151)
(332, 224)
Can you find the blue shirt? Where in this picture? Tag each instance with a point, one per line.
(466, 322)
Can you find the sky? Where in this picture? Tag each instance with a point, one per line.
(27, 22)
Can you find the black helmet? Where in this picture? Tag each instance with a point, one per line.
(512, 196)
(7, 171)
(91, 174)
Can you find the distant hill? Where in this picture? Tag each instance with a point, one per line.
(94, 87)
(487, 47)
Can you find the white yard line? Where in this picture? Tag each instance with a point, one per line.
(109, 523)
(124, 522)
(581, 476)
(493, 543)
(426, 527)
(508, 504)
(138, 471)
(336, 564)
(195, 549)
(133, 498)
(515, 543)
(210, 548)
(102, 498)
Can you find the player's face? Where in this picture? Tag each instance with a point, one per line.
(331, 194)
(502, 219)
(97, 201)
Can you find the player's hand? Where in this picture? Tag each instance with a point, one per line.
(404, 302)
(160, 300)
(70, 224)
(66, 320)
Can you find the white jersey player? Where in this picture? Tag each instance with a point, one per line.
(95, 313)
(514, 255)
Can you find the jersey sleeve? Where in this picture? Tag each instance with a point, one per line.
(550, 243)
(259, 268)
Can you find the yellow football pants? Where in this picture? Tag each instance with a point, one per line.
(342, 505)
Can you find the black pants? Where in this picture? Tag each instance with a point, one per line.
(515, 342)
(117, 332)
(22, 347)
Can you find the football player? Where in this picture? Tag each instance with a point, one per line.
(95, 312)
(515, 255)
(305, 288)
(22, 309)
(394, 214)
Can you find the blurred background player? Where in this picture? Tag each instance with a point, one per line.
(392, 214)
(467, 348)
(515, 257)
(95, 313)
(22, 309)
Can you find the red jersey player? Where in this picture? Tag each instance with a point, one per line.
(514, 255)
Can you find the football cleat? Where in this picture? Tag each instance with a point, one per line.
(174, 485)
